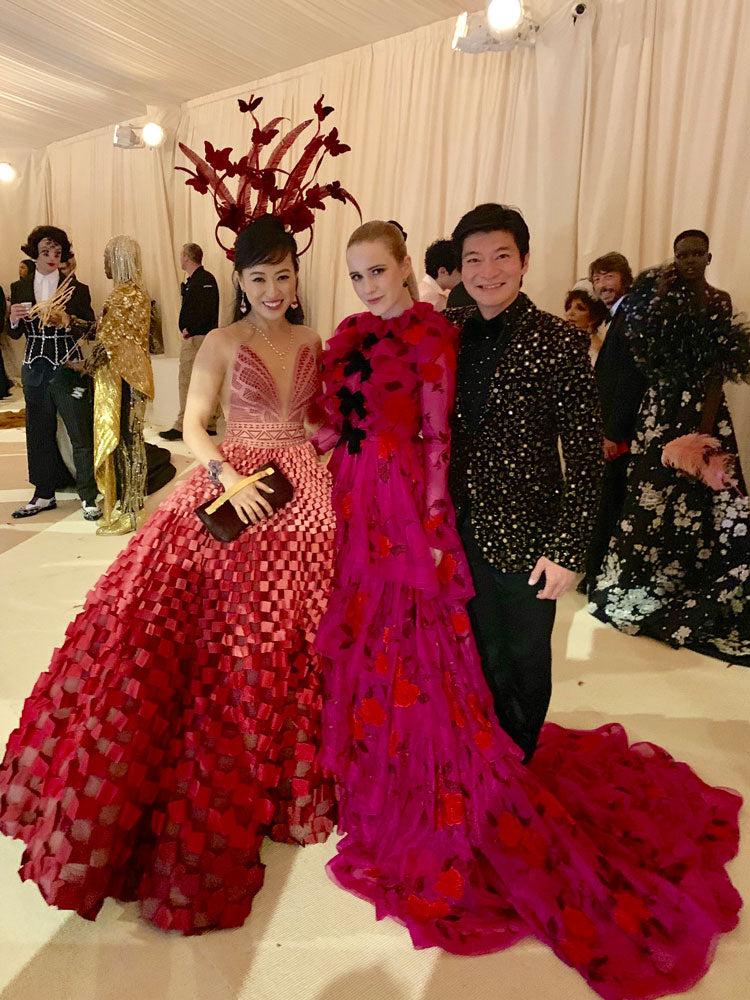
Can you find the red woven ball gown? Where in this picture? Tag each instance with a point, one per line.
(612, 854)
(179, 723)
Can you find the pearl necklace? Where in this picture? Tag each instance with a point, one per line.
(283, 355)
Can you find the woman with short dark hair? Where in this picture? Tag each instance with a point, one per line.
(584, 310)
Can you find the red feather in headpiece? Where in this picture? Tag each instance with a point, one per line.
(291, 195)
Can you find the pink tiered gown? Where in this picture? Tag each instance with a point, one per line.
(611, 854)
(179, 723)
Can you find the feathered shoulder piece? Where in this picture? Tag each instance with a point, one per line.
(292, 192)
(682, 336)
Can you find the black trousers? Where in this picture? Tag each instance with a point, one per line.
(513, 631)
(614, 489)
(49, 391)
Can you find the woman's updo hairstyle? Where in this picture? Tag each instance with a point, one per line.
(597, 310)
(265, 241)
(378, 231)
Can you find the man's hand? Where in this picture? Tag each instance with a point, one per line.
(185, 335)
(557, 579)
(611, 450)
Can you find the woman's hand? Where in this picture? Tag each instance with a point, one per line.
(250, 502)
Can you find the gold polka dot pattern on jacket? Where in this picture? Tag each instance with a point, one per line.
(505, 466)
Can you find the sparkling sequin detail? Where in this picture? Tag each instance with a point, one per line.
(508, 471)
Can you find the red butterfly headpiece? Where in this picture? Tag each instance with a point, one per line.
(291, 195)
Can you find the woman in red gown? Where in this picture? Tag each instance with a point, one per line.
(179, 723)
(612, 854)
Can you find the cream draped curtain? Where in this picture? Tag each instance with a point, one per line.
(611, 133)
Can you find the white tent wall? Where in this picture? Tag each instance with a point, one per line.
(26, 197)
(611, 133)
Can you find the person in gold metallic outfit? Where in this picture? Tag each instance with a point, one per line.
(124, 382)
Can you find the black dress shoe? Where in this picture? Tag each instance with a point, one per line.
(171, 435)
(35, 506)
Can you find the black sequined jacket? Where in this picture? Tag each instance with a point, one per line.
(508, 472)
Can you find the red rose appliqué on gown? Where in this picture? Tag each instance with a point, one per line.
(612, 854)
(179, 723)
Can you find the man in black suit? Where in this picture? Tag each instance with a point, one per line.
(621, 389)
(524, 382)
(53, 381)
(198, 316)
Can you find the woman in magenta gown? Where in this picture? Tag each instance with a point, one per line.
(612, 854)
(179, 723)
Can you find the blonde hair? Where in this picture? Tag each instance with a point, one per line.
(378, 231)
(124, 257)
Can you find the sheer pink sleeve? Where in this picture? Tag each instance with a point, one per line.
(436, 356)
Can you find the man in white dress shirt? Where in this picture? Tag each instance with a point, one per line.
(442, 274)
(53, 380)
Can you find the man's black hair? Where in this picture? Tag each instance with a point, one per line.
(440, 254)
(697, 233)
(487, 219)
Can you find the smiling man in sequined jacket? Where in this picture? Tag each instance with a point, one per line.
(524, 383)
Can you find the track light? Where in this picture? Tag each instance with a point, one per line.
(504, 14)
(136, 137)
(153, 134)
(501, 26)
(7, 173)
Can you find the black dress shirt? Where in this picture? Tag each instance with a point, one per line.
(483, 342)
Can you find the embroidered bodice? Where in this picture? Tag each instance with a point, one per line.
(256, 408)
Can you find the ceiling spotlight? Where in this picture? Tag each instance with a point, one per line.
(504, 14)
(152, 134)
(475, 34)
(7, 173)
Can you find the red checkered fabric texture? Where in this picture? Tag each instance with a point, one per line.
(179, 723)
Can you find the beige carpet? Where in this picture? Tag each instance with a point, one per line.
(306, 939)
